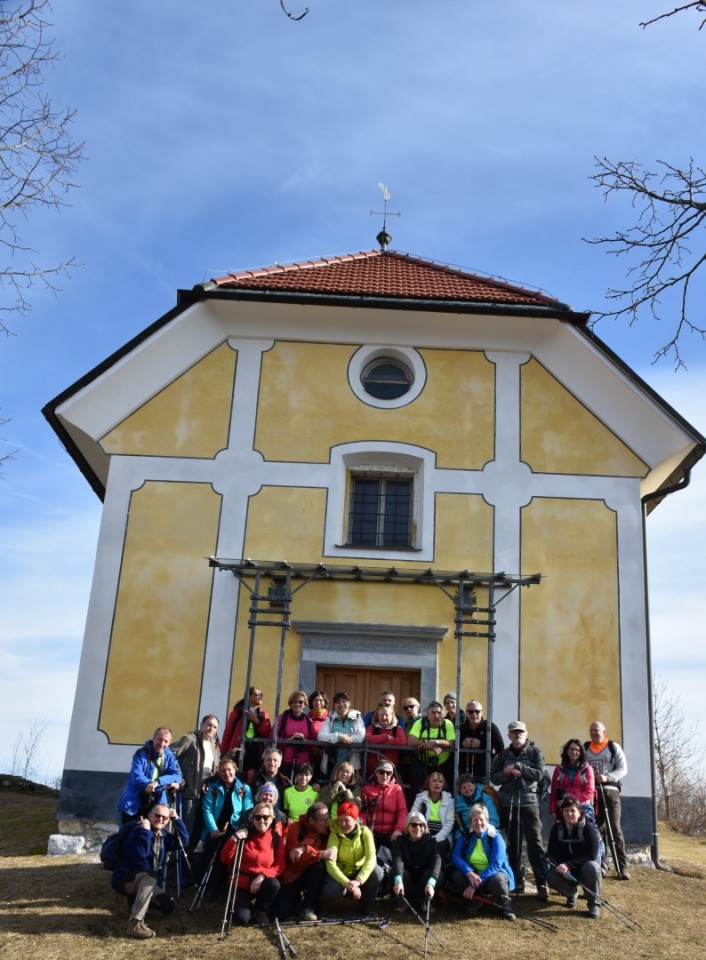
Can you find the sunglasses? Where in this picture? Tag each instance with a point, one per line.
(298, 701)
(159, 816)
(474, 711)
(261, 816)
(384, 773)
(416, 826)
(409, 706)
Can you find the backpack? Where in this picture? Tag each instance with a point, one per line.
(112, 847)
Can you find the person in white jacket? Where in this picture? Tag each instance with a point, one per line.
(437, 807)
(341, 730)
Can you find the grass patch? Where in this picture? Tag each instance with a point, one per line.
(63, 907)
(28, 816)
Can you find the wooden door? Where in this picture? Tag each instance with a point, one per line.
(364, 685)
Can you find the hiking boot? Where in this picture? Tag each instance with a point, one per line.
(571, 901)
(261, 918)
(594, 911)
(508, 912)
(519, 888)
(624, 874)
(542, 891)
(139, 930)
(308, 915)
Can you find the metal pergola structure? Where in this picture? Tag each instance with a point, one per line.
(273, 584)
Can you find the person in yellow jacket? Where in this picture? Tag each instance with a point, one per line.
(355, 872)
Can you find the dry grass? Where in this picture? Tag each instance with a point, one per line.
(685, 855)
(63, 909)
(23, 834)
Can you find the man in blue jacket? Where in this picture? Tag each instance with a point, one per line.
(154, 770)
(140, 869)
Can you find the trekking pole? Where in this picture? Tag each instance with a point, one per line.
(380, 922)
(182, 851)
(200, 893)
(425, 923)
(285, 944)
(232, 887)
(539, 921)
(427, 930)
(609, 834)
(517, 839)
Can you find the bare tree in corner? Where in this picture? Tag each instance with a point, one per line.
(666, 246)
(38, 156)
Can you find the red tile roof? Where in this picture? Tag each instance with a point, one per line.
(375, 273)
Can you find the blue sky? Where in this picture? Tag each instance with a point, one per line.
(221, 136)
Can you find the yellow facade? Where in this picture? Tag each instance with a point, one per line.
(188, 418)
(158, 639)
(569, 637)
(286, 523)
(306, 406)
(559, 435)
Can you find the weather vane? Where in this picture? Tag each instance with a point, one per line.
(384, 238)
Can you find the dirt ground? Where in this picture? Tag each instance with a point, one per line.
(62, 908)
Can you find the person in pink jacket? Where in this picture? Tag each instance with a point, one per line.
(573, 777)
(294, 733)
(384, 805)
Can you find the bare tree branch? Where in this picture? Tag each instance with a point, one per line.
(291, 15)
(38, 157)
(26, 749)
(699, 7)
(681, 785)
(671, 222)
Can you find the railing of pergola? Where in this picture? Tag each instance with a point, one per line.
(272, 586)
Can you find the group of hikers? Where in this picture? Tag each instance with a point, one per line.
(284, 819)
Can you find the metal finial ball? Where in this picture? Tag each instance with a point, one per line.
(384, 239)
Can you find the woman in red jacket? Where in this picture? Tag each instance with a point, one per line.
(384, 806)
(257, 725)
(263, 862)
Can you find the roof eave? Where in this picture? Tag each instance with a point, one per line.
(49, 410)
(552, 309)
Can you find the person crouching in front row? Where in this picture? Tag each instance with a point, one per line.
(481, 868)
(261, 865)
(355, 872)
(141, 865)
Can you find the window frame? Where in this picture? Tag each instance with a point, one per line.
(384, 513)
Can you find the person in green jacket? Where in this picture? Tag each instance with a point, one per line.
(355, 872)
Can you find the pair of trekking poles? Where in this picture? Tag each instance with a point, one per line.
(609, 834)
(620, 915)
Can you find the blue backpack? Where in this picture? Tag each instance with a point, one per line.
(112, 847)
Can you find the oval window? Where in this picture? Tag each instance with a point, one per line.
(386, 379)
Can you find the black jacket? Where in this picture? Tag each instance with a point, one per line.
(421, 859)
(474, 763)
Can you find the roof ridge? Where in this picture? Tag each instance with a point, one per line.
(296, 266)
(388, 274)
